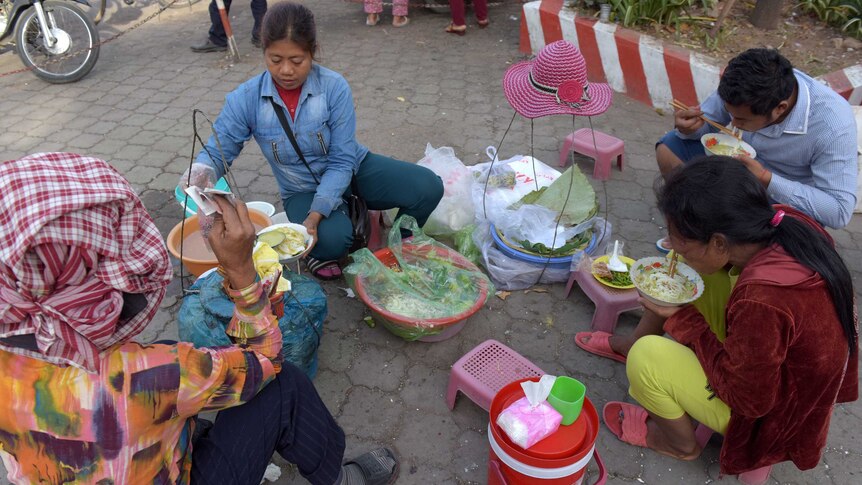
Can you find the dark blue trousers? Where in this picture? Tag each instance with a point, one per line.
(217, 35)
(287, 416)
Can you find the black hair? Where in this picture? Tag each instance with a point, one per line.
(289, 21)
(719, 195)
(759, 79)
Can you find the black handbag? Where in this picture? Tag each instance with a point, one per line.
(357, 209)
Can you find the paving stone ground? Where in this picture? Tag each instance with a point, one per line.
(412, 86)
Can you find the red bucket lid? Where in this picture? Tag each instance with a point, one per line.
(559, 449)
(563, 443)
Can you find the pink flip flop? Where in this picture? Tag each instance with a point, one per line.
(627, 422)
(598, 343)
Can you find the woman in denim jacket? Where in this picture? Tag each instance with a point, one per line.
(318, 105)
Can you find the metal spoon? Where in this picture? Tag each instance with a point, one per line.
(614, 262)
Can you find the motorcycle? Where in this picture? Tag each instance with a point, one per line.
(55, 39)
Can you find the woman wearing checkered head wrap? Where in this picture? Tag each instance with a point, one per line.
(83, 269)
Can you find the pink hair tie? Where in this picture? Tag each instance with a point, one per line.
(776, 219)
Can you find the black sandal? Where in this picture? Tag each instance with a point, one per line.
(323, 270)
(375, 467)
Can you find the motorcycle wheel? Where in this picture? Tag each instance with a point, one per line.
(177, 3)
(72, 56)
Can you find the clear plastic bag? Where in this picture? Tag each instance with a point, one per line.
(417, 287)
(455, 210)
(509, 273)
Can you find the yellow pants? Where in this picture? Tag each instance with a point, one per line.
(666, 378)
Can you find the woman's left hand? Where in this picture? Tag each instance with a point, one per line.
(753, 166)
(664, 312)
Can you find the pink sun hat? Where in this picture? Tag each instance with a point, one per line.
(555, 83)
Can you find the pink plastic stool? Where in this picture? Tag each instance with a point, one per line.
(377, 239)
(605, 149)
(483, 371)
(610, 302)
(752, 477)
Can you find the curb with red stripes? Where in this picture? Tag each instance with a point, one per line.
(641, 66)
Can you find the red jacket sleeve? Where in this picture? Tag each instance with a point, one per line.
(743, 371)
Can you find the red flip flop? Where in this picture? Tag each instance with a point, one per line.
(598, 343)
(627, 422)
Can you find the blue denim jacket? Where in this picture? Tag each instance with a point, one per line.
(325, 128)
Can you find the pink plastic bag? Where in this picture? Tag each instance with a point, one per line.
(527, 425)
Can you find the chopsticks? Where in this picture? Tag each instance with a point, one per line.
(681, 106)
(671, 269)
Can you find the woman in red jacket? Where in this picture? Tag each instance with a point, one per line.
(791, 347)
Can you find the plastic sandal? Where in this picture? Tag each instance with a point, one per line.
(373, 466)
(372, 19)
(627, 422)
(404, 22)
(483, 23)
(457, 30)
(660, 245)
(597, 343)
(323, 270)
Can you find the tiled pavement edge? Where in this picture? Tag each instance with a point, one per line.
(134, 110)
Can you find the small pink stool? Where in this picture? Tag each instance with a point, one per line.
(605, 149)
(610, 302)
(752, 477)
(483, 371)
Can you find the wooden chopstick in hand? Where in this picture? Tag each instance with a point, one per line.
(671, 270)
(681, 106)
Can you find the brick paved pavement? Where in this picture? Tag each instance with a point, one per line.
(134, 110)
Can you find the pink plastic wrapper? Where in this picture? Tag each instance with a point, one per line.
(527, 425)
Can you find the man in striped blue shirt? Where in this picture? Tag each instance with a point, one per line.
(803, 131)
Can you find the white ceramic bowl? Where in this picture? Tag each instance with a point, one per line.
(309, 240)
(262, 206)
(726, 140)
(661, 263)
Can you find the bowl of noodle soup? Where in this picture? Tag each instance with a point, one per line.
(650, 277)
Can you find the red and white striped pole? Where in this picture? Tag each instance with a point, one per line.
(231, 42)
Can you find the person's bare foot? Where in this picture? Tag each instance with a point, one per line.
(400, 21)
(372, 19)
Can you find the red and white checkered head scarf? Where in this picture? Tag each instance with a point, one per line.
(74, 237)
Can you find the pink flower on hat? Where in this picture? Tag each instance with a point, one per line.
(571, 91)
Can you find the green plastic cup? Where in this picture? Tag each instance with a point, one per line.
(567, 397)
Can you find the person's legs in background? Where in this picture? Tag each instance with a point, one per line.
(373, 8)
(480, 8)
(385, 183)
(399, 13)
(216, 40)
(459, 24)
(216, 33)
(258, 9)
(334, 236)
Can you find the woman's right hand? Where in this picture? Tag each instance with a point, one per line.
(232, 240)
(687, 121)
(311, 222)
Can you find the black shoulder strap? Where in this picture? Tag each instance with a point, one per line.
(280, 113)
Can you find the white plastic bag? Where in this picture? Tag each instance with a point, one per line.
(455, 210)
(492, 202)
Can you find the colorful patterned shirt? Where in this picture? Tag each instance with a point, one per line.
(129, 423)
